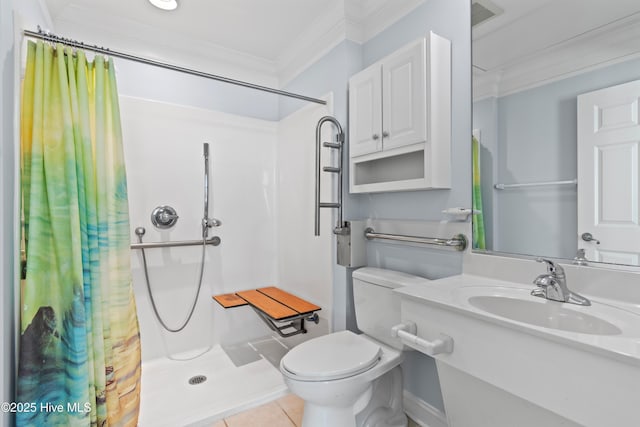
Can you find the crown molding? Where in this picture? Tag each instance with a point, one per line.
(381, 14)
(321, 36)
(355, 20)
(596, 49)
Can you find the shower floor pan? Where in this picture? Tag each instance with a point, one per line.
(169, 399)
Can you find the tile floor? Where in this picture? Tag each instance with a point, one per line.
(283, 412)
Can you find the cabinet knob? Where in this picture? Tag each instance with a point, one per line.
(385, 134)
(375, 136)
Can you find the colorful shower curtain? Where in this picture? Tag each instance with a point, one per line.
(79, 355)
(478, 218)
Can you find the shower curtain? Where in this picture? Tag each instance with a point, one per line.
(478, 218)
(79, 348)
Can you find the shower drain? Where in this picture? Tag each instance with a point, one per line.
(197, 379)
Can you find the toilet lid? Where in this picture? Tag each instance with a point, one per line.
(338, 355)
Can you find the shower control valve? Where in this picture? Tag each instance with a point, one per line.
(164, 217)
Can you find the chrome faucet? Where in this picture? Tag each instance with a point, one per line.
(553, 285)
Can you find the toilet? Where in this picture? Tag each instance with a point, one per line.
(349, 380)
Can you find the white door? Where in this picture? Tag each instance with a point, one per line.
(608, 179)
(404, 111)
(365, 109)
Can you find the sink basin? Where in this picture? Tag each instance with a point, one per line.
(518, 305)
(548, 314)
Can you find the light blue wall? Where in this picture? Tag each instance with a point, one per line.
(448, 18)
(329, 74)
(145, 81)
(536, 140)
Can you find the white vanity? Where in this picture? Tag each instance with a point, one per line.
(518, 360)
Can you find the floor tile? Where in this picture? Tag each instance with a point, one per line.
(293, 406)
(269, 415)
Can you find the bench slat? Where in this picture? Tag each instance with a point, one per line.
(291, 301)
(229, 300)
(271, 307)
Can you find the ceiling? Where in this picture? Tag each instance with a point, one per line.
(256, 27)
(533, 42)
(274, 37)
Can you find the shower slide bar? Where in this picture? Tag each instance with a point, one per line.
(535, 184)
(459, 241)
(214, 241)
(40, 34)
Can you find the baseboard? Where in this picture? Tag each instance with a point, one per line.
(422, 413)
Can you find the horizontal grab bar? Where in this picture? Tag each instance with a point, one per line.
(459, 241)
(535, 184)
(407, 334)
(332, 145)
(215, 241)
(331, 169)
(328, 205)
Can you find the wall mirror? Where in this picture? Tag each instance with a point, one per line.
(556, 162)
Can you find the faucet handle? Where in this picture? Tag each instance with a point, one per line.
(552, 267)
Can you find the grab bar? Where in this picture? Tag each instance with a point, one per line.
(341, 227)
(215, 241)
(535, 184)
(459, 241)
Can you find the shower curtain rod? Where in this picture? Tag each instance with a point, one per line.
(40, 34)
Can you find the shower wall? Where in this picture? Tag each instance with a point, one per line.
(165, 165)
(261, 188)
(305, 260)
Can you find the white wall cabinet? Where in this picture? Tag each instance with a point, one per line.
(400, 120)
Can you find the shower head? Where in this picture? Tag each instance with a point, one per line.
(206, 150)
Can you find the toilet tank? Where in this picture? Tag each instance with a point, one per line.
(377, 307)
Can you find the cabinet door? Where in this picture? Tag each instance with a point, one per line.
(365, 109)
(404, 103)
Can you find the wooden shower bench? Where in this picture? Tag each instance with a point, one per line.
(280, 310)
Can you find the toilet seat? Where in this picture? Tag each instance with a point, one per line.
(330, 357)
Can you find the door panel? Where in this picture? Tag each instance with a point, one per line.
(365, 103)
(404, 96)
(608, 176)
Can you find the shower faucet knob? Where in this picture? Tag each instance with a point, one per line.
(164, 217)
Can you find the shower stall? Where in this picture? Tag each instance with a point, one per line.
(258, 183)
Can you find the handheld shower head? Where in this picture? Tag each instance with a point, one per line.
(205, 147)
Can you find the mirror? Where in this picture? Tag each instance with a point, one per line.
(531, 62)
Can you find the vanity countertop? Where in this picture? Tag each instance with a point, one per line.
(455, 293)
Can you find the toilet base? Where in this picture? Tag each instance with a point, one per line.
(385, 407)
(379, 405)
(322, 416)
